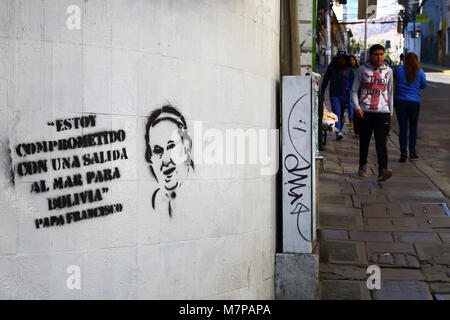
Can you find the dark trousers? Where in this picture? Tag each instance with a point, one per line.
(379, 123)
(352, 117)
(407, 113)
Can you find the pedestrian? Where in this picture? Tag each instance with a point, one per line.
(374, 108)
(409, 80)
(338, 74)
(402, 58)
(389, 62)
(353, 63)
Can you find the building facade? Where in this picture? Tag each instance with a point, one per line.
(332, 34)
(447, 38)
(435, 32)
(91, 93)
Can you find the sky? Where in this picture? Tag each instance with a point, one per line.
(384, 8)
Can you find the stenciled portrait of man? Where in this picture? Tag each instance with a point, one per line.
(168, 150)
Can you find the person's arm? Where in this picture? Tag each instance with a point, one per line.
(352, 77)
(423, 80)
(325, 80)
(391, 93)
(395, 72)
(354, 92)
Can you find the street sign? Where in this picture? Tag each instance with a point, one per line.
(371, 12)
(413, 26)
(422, 18)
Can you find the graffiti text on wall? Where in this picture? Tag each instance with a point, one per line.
(86, 178)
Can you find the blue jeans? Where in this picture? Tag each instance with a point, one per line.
(407, 113)
(350, 108)
(338, 105)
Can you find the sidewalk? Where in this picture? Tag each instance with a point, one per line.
(434, 67)
(402, 225)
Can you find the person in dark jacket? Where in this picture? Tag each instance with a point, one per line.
(410, 79)
(340, 75)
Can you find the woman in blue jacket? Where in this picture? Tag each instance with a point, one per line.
(410, 79)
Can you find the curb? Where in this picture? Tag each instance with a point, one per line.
(426, 170)
(434, 68)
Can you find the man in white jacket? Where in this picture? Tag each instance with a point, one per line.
(373, 107)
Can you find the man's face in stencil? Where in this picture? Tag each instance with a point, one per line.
(168, 153)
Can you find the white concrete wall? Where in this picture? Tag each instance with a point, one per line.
(218, 61)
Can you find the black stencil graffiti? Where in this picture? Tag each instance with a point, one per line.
(76, 216)
(300, 172)
(168, 150)
(8, 164)
(86, 181)
(79, 142)
(74, 123)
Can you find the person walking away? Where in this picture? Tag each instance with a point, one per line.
(353, 63)
(374, 107)
(410, 79)
(338, 74)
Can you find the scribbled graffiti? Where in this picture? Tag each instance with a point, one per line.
(298, 168)
(168, 150)
(295, 187)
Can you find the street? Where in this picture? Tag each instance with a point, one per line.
(401, 225)
(434, 122)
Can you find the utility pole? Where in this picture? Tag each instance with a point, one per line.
(365, 33)
(328, 35)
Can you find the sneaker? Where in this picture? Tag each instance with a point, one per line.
(413, 155)
(362, 172)
(339, 135)
(384, 175)
(403, 157)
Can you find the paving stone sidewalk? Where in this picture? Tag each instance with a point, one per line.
(401, 225)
